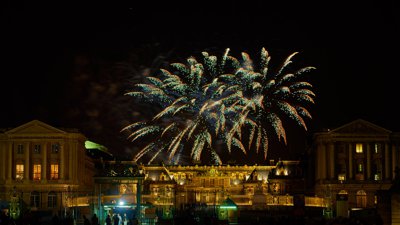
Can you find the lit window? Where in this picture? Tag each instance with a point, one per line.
(342, 177)
(377, 148)
(359, 148)
(55, 148)
(54, 175)
(377, 177)
(52, 200)
(360, 167)
(276, 188)
(19, 171)
(20, 149)
(36, 149)
(375, 199)
(37, 171)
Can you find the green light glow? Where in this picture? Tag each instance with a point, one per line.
(227, 207)
(92, 145)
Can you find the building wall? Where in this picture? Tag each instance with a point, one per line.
(36, 144)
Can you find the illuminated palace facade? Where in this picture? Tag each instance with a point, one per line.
(50, 170)
(254, 186)
(170, 188)
(356, 161)
(43, 168)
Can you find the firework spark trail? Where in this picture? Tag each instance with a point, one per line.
(282, 95)
(217, 100)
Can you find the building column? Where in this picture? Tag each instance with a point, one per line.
(350, 161)
(323, 162)
(318, 161)
(10, 161)
(71, 161)
(387, 162)
(368, 161)
(62, 161)
(394, 157)
(27, 159)
(44, 163)
(77, 165)
(331, 149)
(3, 163)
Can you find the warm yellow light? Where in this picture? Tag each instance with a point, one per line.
(37, 171)
(359, 148)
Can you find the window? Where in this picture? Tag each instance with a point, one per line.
(20, 149)
(377, 148)
(276, 188)
(162, 177)
(35, 199)
(361, 199)
(55, 148)
(37, 171)
(377, 169)
(359, 148)
(360, 167)
(342, 177)
(54, 175)
(19, 171)
(52, 200)
(36, 149)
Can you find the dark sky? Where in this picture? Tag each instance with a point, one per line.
(68, 63)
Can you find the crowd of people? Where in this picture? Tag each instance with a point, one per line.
(117, 219)
(33, 219)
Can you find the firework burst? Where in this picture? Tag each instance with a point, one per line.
(213, 100)
(267, 98)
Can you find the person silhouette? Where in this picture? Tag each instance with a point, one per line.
(108, 220)
(95, 219)
(85, 220)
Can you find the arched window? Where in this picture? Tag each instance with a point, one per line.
(361, 199)
(35, 199)
(162, 176)
(343, 195)
(52, 200)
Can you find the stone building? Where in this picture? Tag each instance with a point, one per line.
(46, 168)
(354, 163)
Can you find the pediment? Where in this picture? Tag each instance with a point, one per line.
(35, 127)
(360, 127)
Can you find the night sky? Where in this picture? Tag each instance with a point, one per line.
(69, 63)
